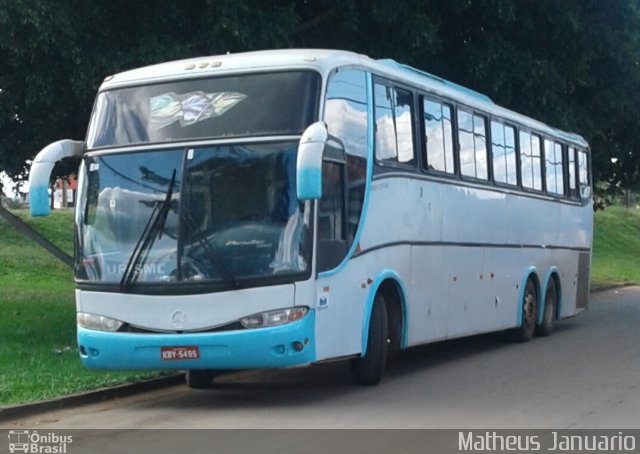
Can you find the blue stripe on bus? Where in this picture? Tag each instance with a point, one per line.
(373, 290)
(365, 202)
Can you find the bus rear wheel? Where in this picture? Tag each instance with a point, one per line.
(199, 378)
(368, 369)
(550, 304)
(525, 331)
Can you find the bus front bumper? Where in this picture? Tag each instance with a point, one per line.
(278, 346)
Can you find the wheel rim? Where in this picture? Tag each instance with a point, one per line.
(529, 310)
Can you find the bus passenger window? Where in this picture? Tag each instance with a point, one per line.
(536, 159)
(504, 153)
(394, 125)
(438, 136)
(553, 167)
(583, 175)
(530, 164)
(473, 145)
(573, 192)
(559, 164)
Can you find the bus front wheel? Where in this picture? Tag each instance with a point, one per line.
(525, 331)
(368, 369)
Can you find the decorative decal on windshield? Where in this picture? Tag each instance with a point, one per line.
(189, 108)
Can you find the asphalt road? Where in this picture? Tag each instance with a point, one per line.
(586, 375)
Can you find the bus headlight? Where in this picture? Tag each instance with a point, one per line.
(274, 318)
(97, 322)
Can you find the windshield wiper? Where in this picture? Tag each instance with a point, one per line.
(153, 230)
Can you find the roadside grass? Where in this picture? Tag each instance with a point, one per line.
(38, 356)
(616, 246)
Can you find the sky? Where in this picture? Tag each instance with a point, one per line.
(9, 185)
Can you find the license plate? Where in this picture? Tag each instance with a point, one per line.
(183, 352)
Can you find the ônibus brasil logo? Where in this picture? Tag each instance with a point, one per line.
(32, 442)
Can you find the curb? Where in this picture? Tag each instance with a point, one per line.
(607, 287)
(89, 397)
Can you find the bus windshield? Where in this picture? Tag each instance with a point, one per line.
(220, 107)
(217, 214)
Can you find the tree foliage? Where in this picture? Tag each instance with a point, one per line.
(54, 55)
(573, 64)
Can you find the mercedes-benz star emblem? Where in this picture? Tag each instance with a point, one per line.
(179, 319)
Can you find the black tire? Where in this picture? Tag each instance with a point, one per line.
(550, 306)
(526, 330)
(199, 378)
(368, 369)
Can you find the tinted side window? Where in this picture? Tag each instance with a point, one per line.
(438, 136)
(530, 164)
(346, 117)
(536, 157)
(345, 111)
(473, 145)
(554, 167)
(573, 192)
(504, 153)
(583, 175)
(393, 112)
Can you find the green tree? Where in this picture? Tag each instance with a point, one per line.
(54, 55)
(572, 64)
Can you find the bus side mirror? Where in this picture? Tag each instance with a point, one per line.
(41, 172)
(309, 162)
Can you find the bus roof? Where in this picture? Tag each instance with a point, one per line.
(325, 61)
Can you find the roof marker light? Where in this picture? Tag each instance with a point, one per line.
(190, 66)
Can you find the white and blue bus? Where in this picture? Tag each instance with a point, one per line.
(289, 207)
